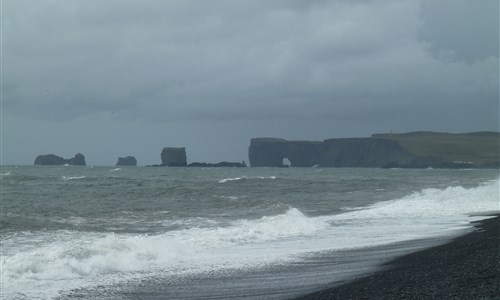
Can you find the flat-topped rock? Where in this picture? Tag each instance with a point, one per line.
(128, 161)
(173, 157)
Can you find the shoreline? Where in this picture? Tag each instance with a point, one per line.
(467, 267)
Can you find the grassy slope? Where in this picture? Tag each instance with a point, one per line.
(479, 148)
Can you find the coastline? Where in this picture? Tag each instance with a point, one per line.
(467, 267)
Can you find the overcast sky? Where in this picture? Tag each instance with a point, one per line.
(128, 77)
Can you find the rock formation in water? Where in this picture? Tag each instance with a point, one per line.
(78, 160)
(173, 157)
(51, 159)
(218, 165)
(409, 150)
(129, 161)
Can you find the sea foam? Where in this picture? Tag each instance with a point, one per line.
(72, 177)
(246, 178)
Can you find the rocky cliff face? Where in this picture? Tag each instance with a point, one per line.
(404, 150)
(51, 159)
(268, 152)
(352, 152)
(173, 157)
(127, 161)
(363, 152)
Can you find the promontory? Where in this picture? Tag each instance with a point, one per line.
(405, 150)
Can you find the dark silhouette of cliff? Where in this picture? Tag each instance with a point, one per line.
(349, 152)
(409, 150)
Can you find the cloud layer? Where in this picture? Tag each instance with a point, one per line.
(299, 69)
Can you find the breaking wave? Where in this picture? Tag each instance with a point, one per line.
(245, 178)
(72, 177)
(68, 259)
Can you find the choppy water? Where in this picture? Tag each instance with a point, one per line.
(67, 229)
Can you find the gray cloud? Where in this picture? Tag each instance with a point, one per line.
(235, 69)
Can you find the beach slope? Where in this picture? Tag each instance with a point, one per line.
(466, 268)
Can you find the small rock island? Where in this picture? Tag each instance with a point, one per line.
(173, 157)
(128, 161)
(54, 160)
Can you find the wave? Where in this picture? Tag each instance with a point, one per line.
(72, 177)
(67, 260)
(434, 203)
(427, 213)
(63, 260)
(230, 197)
(116, 169)
(6, 173)
(246, 178)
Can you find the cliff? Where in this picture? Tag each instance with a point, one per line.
(409, 150)
(450, 150)
(351, 152)
(51, 159)
(173, 157)
(129, 161)
(363, 152)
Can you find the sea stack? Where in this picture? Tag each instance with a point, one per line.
(54, 160)
(128, 161)
(78, 160)
(173, 157)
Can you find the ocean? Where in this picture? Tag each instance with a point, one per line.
(219, 233)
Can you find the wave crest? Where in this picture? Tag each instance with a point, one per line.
(245, 178)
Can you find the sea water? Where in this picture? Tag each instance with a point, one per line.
(118, 232)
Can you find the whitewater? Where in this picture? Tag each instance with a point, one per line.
(106, 232)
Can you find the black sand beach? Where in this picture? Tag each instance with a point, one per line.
(466, 268)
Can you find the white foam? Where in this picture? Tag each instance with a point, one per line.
(70, 259)
(246, 178)
(72, 177)
(230, 197)
(428, 213)
(436, 203)
(230, 179)
(6, 174)
(116, 169)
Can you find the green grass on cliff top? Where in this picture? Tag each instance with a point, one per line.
(478, 147)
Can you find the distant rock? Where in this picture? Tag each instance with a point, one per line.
(218, 165)
(126, 161)
(49, 159)
(78, 160)
(54, 160)
(173, 157)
